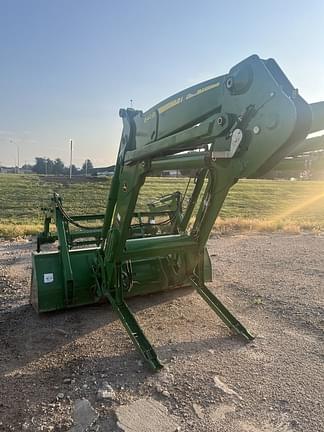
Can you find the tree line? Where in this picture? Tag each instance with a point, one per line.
(56, 167)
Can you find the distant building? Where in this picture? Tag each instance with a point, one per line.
(25, 171)
(171, 173)
(103, 171)
(7, 170)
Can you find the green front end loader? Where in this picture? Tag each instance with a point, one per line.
(237, 125)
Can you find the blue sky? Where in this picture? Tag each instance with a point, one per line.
(67, 66)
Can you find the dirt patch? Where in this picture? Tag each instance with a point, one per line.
(273, 282)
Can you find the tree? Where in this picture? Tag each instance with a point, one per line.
(58, 167)
(40, 165)
(49, 166)
(87, 166)
(27, 167)
(74, 170)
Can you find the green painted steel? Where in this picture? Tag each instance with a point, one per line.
(48, 280)
(317, 109)
(310, 151)
(309, 145)
(237, 125)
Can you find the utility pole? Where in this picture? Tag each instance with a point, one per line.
(18, 161)
(86, 162)
(71, 151)
(46, 162)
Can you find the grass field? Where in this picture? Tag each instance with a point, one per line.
(262, 205)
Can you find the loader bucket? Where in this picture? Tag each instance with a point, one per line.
(50, 291)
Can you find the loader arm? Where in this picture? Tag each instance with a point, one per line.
(310, 150)
(315, 143)
(308, 145)
(240, 124)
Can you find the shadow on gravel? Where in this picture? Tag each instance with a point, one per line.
(13, 260)
(88, 345)
(39, 352)
(122, 371)
(26, 336)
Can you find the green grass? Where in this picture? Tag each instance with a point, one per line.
(252, 204)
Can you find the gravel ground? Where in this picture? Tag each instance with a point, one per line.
(213, 381)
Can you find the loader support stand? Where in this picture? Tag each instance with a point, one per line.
(66, 261)
(133, 329)
(225, 315)
(136, 334)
